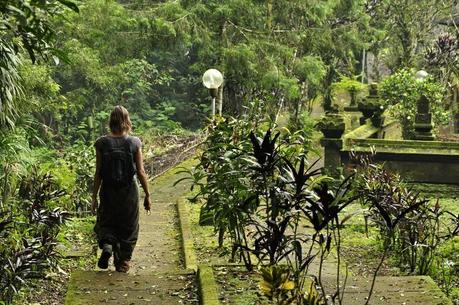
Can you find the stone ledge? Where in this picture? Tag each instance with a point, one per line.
(208, 288)
(389, 290)
(189, 253)
(363, 132)
(408, 290)
(427, 147)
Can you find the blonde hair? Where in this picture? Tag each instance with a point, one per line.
(119, 120)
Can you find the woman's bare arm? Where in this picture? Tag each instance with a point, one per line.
(142, 175)
(97, 181)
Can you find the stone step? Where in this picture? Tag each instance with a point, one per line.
(403, 290)
(406, 290)
(102, 287)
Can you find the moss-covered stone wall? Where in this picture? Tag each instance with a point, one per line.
(416, 161)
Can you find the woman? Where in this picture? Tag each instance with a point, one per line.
(118, 160)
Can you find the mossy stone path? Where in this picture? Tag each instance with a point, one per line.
(157, 275)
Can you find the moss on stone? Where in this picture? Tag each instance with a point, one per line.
(207, 286)
(187, 238)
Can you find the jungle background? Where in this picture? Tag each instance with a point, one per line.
(65, 64)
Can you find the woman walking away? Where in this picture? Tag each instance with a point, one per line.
(118, 161)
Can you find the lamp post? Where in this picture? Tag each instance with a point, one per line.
(212, 79)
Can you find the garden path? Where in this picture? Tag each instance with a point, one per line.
(157, 275)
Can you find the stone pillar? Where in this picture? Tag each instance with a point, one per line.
(369, 106)
(353, 103)
(423, 122)
(332, 156)
(332, 126)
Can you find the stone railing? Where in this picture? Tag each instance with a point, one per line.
(415, 160)
(421, 161)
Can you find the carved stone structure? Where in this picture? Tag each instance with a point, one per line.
(423, 122)
(371, 106)
(353, 103)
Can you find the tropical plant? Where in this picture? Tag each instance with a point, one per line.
(81, 160)
(277, 285)
(409, 226)
(260, 191)
(352, 86)
(14, 149)
(222, 177)
(28, 234)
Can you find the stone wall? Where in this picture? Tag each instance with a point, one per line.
(417, 161)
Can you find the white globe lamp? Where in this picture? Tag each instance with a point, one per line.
(212, 80)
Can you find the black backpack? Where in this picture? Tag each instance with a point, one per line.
(118, 165)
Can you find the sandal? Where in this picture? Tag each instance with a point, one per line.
(123, 266)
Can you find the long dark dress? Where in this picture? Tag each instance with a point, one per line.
(118, 213)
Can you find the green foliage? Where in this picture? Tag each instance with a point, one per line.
(350, 84)
(408, 25)
(446, 269)
(35, 184)
(28, 233)
(442, 59)
(14, 157)
(226, 193)
(105, 70)
(261, 183)
(409, 225)
(401, 91)
(80, 160)
(276, 284)
(24, 26)
(10, 89)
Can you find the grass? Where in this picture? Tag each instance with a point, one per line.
(206, 241)
(238, 286)
(361, 251)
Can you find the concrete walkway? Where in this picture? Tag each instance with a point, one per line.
(157, 275)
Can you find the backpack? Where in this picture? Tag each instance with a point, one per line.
(118, 165)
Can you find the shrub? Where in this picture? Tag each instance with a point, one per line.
(409, 225)
(28, 234)
(259, 191)
(401, 91)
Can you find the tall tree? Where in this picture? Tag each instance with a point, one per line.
(409, 26)
(24, 26)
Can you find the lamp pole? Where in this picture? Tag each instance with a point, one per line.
(212, 80)
(213, 93)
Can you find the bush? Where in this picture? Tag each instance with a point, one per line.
(401, 91)
(260, 191)
(28, 234)
(409, 225)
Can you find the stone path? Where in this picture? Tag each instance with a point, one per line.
(157, 275)
(394, 290)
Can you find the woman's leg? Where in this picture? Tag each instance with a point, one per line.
(124, 255)
(105, 256)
